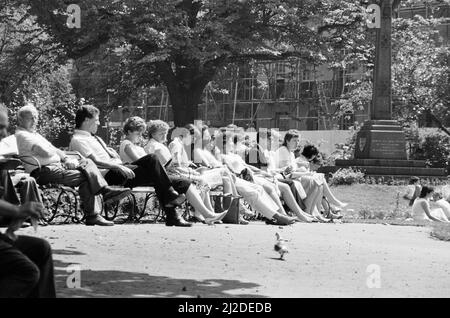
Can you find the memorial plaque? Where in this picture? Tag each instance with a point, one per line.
(373, 143)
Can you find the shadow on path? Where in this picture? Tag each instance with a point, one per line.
(114, 283)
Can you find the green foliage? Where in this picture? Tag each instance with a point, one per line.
(184, 44)
(52, 95)
(346, 176)
(420, 68)
(343, 150)
(115, 137)
(26, 51)
(430, 145)
(30, 71)
(436, 149)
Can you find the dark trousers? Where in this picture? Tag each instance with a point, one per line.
(149, 172)
(26, 186)
(26, 268)
(8, 192)
(87, 177)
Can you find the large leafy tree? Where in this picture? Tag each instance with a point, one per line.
(26, 50)
(31, 70)
(182, 44)
(420, 69)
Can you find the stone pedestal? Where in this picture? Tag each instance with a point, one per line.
(381, 139)
(380, 150)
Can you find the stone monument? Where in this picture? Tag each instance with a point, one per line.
(380, 144)
(381, 137)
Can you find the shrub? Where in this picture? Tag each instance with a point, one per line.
(432, 146)
(436, 149)
(53, 96)
(347, 176)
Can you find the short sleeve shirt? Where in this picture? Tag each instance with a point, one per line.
(26, 140)
(137, 149)
(158, 149)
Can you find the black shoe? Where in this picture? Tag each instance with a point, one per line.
(98, 220)
(114, 194)
(173, 219)
(176, 201)
(178, 222)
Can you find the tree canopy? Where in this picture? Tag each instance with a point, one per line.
(420, 73)
(182, 44)
(26, 50)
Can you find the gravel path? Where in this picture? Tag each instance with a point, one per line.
(325, 260)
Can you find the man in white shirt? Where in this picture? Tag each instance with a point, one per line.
(26, 185)
(143, 172)
(47, 164)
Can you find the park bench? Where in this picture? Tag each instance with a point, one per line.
(66, 204)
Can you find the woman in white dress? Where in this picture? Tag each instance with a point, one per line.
(130, 151)
(422, 211)
(314, 183)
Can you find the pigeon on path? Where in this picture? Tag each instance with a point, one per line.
(280, 246)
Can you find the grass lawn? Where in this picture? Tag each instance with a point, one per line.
(381, 204)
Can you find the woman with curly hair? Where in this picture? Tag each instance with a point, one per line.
(130, 151)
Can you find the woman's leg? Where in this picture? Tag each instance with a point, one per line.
(228, 186)
(288, 197)
(194, 198)
(318, 206)
(228, 178)
(270, 189)
(206, 198)
(259, 200)
(330, 196)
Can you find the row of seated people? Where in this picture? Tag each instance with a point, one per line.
(98, 169)
(170, 171)
(193, 153)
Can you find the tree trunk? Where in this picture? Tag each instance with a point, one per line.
(184, 103)
(185, 86)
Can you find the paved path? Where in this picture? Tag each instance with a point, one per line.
(325, 260)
